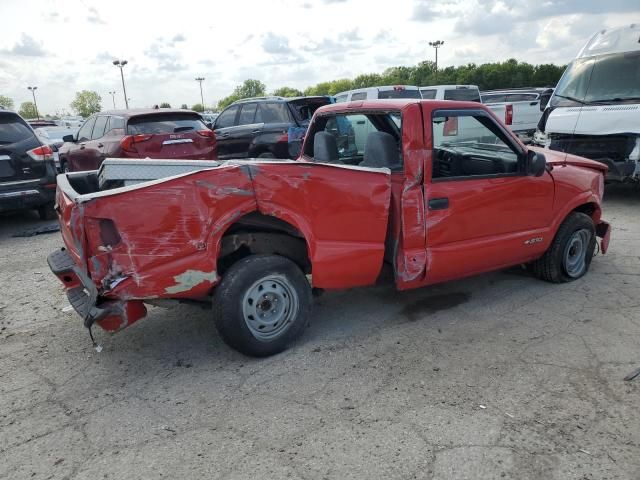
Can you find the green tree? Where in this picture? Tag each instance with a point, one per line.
(198, 107)
(86, 103)
(184, 106)
(165, 105)
(287, 92)
(250, 88)
(27, 110)
(6, 101)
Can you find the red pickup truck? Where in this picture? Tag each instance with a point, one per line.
(436, 190)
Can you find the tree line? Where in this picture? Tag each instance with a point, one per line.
(488, 76)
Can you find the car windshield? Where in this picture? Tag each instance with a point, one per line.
(606, 79)
(165, 123)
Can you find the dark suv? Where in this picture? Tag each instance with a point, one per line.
(27, 168)
(144, 133)
(263, 127)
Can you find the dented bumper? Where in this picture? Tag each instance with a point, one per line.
(111, 315)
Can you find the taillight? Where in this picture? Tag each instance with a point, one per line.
(206, 133)
(128, 142)
(508, 115)
(41, 153)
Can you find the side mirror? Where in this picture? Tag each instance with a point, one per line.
(68, 138)
(536, 163)
(209, 125)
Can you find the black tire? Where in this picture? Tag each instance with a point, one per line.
(46, 212)
(233, 302)
(555, 265)
(266, 155)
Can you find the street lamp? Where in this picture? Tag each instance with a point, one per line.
(113, 98)
(33, 92)
(120, 64)
(437, 44)
(200, 80)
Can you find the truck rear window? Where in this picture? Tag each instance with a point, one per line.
(164, 123)
(464, 94)
(13, 130)
(400, 93)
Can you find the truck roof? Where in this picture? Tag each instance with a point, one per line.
(612, 40)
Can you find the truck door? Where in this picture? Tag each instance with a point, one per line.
(483, 212)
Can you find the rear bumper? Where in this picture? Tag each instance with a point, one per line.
(111, 315)
(25, 196)
(603, 230)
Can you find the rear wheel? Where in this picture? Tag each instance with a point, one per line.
(569, 256)
(262, 304)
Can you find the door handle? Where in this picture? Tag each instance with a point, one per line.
(533, 103)
(100, 145)
(82, 146)
(224, 135)
(438, 203)
(255, 131)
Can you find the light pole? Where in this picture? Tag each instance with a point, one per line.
(437, 44)
(120, 64)
(113, 98)
(33, 92)
(200, 80)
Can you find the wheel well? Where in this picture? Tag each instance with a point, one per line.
(588, 208)
(256, 233)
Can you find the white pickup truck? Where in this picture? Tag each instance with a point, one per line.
(524, 107)
(470, 93)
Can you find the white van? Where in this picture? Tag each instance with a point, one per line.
(594, 111)
(379, 93)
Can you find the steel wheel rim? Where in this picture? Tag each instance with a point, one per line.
(269, 307)
(575, 253)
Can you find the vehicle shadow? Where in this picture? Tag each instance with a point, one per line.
(12, 223)
(627, 193)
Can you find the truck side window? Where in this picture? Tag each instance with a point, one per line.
(352, 134)
(359, 96)
(468, 146)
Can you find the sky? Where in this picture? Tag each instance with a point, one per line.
(63, 46)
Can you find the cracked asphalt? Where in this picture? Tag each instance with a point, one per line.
(496, 376)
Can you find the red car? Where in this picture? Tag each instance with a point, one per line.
(145, 133)
(435, 190)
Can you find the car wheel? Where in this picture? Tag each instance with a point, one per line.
(262, 304)
(47, 212)
(266, 155)
(569, 256)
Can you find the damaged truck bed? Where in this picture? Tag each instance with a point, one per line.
(377, 182)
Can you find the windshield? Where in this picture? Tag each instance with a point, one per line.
(611, 78)
(399, 93)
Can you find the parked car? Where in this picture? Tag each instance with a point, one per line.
(27, 170)
(257, 236)
(595, 109)
(71, 122)
(385, 92)
(53, 136)
(264, 127)
(209, 118)
(527, 105)
(144, 133)
(41, 123)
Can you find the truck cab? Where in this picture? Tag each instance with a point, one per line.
(433, 190)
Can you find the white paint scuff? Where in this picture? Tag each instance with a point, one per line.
(191, 278)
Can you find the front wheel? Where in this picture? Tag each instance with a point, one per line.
(262, 305)
(569, 256)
